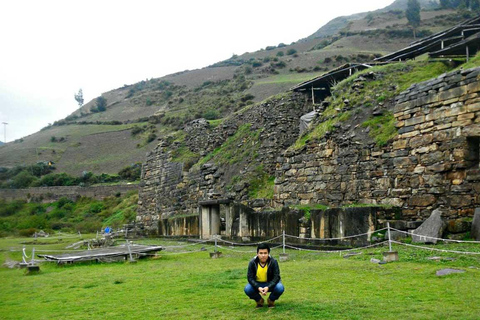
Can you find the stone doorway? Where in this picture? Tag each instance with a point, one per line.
(213, 218)
(210, 220)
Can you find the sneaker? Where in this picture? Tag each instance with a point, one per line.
(271, 304)
(260, 303)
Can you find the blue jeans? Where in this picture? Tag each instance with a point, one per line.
(255, 295)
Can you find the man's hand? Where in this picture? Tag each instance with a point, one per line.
(263, 291)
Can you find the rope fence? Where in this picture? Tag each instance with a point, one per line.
(222, 244)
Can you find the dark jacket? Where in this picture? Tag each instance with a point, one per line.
(273, 273)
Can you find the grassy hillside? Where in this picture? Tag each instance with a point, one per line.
(105, 138)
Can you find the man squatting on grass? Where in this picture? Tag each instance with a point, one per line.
(263, 276)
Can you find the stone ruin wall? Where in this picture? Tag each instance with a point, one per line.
(433, 161)
(167, 189)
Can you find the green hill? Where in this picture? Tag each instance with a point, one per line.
(104, 138)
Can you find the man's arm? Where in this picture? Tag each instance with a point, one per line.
(276, 275)
(252, 275)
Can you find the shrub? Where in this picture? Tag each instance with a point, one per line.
(291, 51)
(152, 136)
(23, 180)
(280, 64)
(136, 130)
(280, 54)
(27, 232)
(96, 207)
(256, 64)
(55, 179)
(131, 173)
(63, 201)
(101, 104)
(211, 114)
(10, 208)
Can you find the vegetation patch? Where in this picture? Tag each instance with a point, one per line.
(307, 208)
(236, 148)
(318, 132)
(261, 184)
(84, 214)
(382, 128)
(42, 175)
(388, 81)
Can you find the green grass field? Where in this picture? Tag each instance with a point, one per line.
(179, 285)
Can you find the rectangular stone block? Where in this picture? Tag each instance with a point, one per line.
(455, 111)
(426, 125)
(452, 93)
(462, 123)
(465, 116)
(422, 200)
(450, 101)
(409, 134)
(414, 121)
(473, 107)
(400, 192)
(473, 87)
(404, 129)
(400, 144)
(444, 126)
(402, 107)
(469, 97)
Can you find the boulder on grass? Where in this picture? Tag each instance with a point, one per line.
(476, 225)
(432, 228)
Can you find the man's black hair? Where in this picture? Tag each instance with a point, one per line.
(263, 246)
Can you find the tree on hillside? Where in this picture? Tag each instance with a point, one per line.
(101, 104)
(413, 14)
(79, 97)
(445, 4)
(475, 5)
(471, 5)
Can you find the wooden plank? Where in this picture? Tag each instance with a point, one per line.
(102, 253)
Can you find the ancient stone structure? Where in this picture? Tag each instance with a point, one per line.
(433, 161)
(206, 193)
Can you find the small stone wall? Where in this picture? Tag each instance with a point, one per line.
(51, 194)
(433, 161)
(247, 225)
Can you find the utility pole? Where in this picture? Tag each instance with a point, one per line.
(5, 132)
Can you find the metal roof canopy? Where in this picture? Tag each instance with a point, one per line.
(466, 47)
(434, 42)
(327, 80)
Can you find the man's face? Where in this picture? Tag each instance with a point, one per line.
(262, 255)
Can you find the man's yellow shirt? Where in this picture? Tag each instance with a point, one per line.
(262, 273)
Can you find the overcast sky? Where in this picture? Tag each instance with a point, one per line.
(51, 49)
